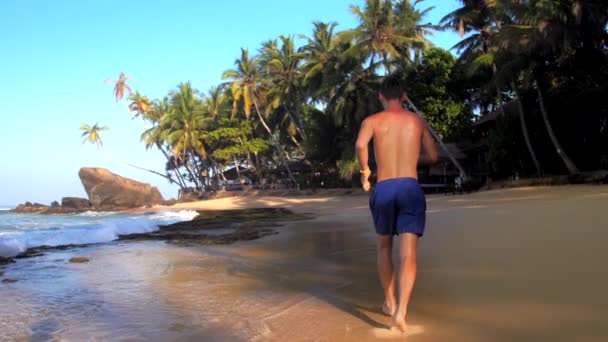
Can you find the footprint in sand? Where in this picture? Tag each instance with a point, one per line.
(394, 333)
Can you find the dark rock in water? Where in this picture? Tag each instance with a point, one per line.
(28, 204)
(76, 203)
(5, 260)
(33, 252)
(55, 204)
(1, 273)
(234, 225)
(79, 260)
(8, 280)
(110, 191)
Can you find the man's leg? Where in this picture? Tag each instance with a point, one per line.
(385, 271)
(408, 246)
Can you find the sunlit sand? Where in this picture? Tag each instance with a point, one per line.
(523, 265)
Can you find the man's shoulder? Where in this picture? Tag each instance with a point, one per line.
(381, 116)
(371, 119)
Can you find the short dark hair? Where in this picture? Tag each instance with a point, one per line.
(391, 88)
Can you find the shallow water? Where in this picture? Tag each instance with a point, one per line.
(496, 266)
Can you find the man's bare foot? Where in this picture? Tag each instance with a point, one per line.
(399, 322)
(389, 309)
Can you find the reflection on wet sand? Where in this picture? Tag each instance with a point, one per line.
(495, 266)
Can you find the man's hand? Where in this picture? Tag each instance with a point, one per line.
(365, 182)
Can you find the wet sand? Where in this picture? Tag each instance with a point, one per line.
(518, 264)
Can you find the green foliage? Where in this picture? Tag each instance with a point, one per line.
(430, 84)
(232, 139)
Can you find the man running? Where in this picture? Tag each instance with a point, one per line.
(397, 202)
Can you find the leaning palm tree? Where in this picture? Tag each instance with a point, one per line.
(541, 32)
(120, 86)
(482, 19)
(91, 134)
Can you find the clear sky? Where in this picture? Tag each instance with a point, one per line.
(56, 55)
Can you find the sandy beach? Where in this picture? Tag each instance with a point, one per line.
(503, 265)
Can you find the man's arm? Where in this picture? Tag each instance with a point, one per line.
(365, 135)
(428, 144)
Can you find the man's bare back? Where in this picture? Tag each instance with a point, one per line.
(398, 136)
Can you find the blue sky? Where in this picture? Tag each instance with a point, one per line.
(56, 55)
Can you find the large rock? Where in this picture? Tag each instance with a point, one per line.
(75, 203)
(110, 191)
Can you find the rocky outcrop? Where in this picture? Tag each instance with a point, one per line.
(76, 203)
(55, 208)
(109, 191)
(29, 208)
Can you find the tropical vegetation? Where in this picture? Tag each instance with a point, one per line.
(524, 89)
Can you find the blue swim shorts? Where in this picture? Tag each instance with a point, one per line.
(398, 206)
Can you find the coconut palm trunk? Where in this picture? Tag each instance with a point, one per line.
(171, 180)
(276, 145)
(524, 130)
(463, 174)
(180, 179)
(236, 167)
(572, 169)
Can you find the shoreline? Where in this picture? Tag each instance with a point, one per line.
(303, 203)
(599, 177)
(206, 228)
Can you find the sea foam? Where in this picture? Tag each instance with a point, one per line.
(101, 227)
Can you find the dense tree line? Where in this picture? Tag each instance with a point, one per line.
(540, 68)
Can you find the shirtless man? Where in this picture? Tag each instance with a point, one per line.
(397, 202)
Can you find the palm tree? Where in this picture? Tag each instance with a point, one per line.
(156, 136)
(382, 34)
(320, 59)
(245, 84)
(120, 86)
(484, 18)
(139, 104)
(91, 134)
(216, 102)
(283, 81)
(408, 20)
(540, 32)
(185, 127)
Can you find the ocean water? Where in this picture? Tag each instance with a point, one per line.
(19, 232)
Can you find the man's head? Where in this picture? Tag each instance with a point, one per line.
(391, 89)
